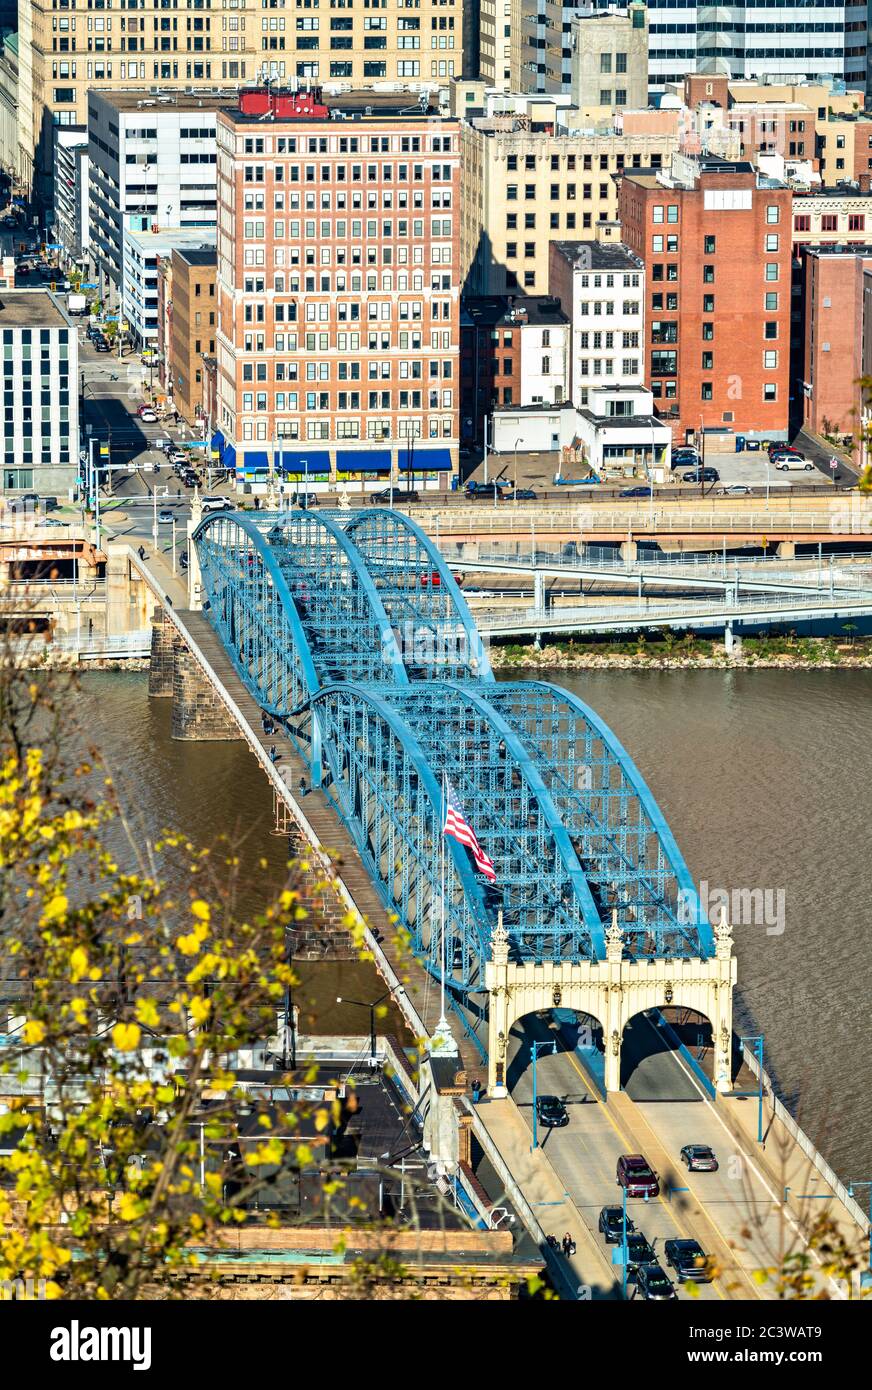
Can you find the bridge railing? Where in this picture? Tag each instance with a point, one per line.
(840, 516)
(660, 610)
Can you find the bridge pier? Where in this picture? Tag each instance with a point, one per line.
(199, 713)
(160, 670)
(629, 552)
(786, 550)
(732, 641)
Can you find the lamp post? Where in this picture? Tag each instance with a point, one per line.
(517, 442)
(756, 1042)
(534, 1052)
(156, 492)
(361, 1004)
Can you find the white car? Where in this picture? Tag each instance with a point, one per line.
(148, 416)
(784, 462)
(218, 504)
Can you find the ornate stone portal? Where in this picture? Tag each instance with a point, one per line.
(612, 991)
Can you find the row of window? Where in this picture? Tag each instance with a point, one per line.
(383, 429)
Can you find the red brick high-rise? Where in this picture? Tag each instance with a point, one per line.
(716, 241)
(338, 342)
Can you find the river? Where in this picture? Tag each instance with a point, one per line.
(763, 776)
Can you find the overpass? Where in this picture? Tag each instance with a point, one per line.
(380, 685)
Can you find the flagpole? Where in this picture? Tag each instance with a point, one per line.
(442, 1018)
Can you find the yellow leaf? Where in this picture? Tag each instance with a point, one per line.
(200, 1008)
(146, 1012)
(78, 964)
(130, 1207)
(200, 910)
(126, 1036)
(34, 1031)
(55, 908)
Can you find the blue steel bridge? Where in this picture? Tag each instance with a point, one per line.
(348, 628)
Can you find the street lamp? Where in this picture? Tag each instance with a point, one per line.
(361, 1004)
(534, 1052)
(756, 1042)
(517, 442)
(157, 492)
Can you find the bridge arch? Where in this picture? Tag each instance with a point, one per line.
(623, 840)
(396, 549)
(379, 778)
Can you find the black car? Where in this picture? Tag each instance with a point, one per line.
(636, 492)
(101, 344)
(551, 1111)
(486, 492)
(701, 475)
(699, 1158)
(611, 1225)
(685, 457)
(654, 1285)
(639, 1251)
(689, 1261)
(523, 494)
(397, 498)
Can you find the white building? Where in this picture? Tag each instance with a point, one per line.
(617, 435)
(71, 207)
(41, 391)
(601, 289)
(139, 273)
(152, 164)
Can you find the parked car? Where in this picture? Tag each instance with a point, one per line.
(523, 494)
(101, 344)
(551, 1111)
(165, 515)
(779, 447)
(783, 462)
(611, 1225)
(397, 498)
(473, 487)
(685, 457)
(701, 475)
(635, 1173)
(218, 504)
(304, 499)
(636, 492)
(147, 415)
(699, 1158)
(653, 1285)
(431, 579)
(734, 490)
(689, 1261)
(487, 492)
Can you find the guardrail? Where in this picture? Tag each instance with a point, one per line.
(654, 612)
(91, 647)
(837, 519)
(67, 589)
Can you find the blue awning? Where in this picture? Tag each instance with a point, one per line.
(363, 460)
(228, 458)
(255, 461)
(218, 441)
(423, 460)
(301, 462)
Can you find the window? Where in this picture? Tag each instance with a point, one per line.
(771, 270)
(773, 212)
(770, 329)
(708, 361)
(657, 212)
(708, 303)
(829, 222)
(770, 300)
(710, 246)
(770, 358)
(772, 241)
(708, 274)
(856, 222)
(708, 332)
(770, 391)
(706, 391)
(802, 223)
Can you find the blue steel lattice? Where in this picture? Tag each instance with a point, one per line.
(316, 611)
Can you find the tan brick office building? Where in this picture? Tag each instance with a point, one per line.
(338, 289)
(193, 324)
(716, 242)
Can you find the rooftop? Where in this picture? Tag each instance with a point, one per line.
(598, 255)
(166, 239)
(197, 256)
(491, 310)
(157, 99)
(30, 309)
(352, 106)
(837, 249)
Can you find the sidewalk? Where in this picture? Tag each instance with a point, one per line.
(546, 1195)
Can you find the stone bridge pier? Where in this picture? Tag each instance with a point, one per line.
(199, 714)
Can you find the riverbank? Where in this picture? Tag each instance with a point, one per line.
(762, 653)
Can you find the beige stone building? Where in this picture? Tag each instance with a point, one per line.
(535, 176)
(499, 63)
(833, 217)
(72, 46)
(610, 57)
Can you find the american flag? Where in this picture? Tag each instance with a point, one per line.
(457, 826)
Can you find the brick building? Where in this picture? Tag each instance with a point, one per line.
(513, 351)
(715, 239)
(193, 325)
(338, 340)
(834, 279)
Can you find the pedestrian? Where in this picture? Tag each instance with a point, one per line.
(272, 753)
(568, 1245)
(142, 552)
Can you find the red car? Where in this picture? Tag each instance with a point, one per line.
(637, 1176)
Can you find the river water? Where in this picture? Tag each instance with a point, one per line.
(764, 777)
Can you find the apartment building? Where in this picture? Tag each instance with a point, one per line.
(152, 163)
(193, 325)
(835, 283)
(601, 289)
(514, 350)
(74, 47)
(537, 175)
(141, 256)
(40, 394)
(72, 222)
(499, 56)
(610, 57)
(338, 288)
(715, 239)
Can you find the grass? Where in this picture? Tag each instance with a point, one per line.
(814, 650)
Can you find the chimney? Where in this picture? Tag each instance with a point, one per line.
(865, 181)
